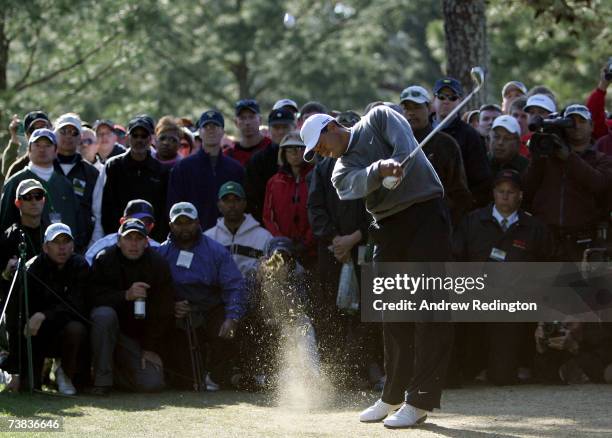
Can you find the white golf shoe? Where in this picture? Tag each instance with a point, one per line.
(406, 416)
(377, 411)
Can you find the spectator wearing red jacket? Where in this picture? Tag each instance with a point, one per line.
(596, 103)
(285, 211)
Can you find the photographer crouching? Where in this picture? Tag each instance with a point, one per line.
(567, 179)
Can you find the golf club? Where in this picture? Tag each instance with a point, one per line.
(478, 76)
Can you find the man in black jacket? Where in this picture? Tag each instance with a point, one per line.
(501, 232)
(124, 276)
(57, 280)
(442, 151)
(448, 92)
(83, 176)
(340, 228)
(136, 175)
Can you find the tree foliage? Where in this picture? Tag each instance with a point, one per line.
(114, 58)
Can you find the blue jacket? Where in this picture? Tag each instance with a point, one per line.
(194, 180)
(211, 279)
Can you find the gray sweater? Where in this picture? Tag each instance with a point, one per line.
(380, 135)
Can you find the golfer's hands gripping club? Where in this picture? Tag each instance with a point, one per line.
(392, 172)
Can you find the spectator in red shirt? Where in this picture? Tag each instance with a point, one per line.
(248, 120)
(285, 211)
(596, 104)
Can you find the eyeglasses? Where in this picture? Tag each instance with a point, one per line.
(69, 132)
(444, 97)
(87, 142)
(32, 197)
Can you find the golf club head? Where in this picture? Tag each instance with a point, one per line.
(478, 76)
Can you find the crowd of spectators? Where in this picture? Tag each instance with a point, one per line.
(147, 243)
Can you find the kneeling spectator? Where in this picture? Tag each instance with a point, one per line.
(57, 280)
(210, 299)
(127, 343)
(240, 233)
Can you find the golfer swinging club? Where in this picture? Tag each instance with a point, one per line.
(411, 225)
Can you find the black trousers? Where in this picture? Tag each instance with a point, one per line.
(416, 354)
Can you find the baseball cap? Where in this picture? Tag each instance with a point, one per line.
(68, 119)
(43, 132)
(140, 122)
(280, 116)
(103, 122)
(581, 110)
(133, 225)
(34, 116)
(311, 131)
(231, 188)
(285, 102)
(183, 209)
(55, 230)
(281, 244)
(348, 118)
(451, 83)
(211, 116)
(509, 123)
(514, 84)
(416, 94)
(139, 208)
(250, 104)
(541, 101)
(27, 185)
(508, 175)
(292, 139)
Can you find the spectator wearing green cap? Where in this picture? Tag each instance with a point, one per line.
(238, 231)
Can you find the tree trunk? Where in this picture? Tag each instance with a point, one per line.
(465, 28)
(4, 46)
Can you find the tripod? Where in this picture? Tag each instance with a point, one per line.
(20, 277)
(196, 355)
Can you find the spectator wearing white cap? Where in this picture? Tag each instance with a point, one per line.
(505, 141)
(442, 151)
(61, 203)
(367, 153)
(209, 290)
(564, 186)
(57, 288)
(287, 104)
(510, 91)
(84, 177)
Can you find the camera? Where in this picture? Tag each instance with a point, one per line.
(608, 70)
(548, 133)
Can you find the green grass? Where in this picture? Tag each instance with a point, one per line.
(534, 411)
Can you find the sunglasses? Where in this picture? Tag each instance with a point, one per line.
(68, 132)
(87, 142)
(444, 97)
(32, 197)
(139, 136)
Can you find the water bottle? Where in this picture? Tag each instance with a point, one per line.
(140, 308)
